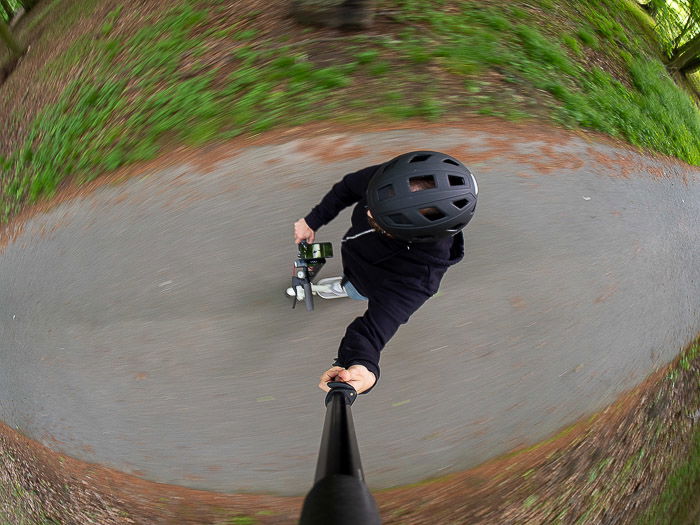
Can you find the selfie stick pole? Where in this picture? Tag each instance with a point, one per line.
(339, 495)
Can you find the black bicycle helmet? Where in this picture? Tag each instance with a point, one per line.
(422, 196)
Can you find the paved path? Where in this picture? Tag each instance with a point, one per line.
(143, 326)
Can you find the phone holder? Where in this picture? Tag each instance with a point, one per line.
(311, 258)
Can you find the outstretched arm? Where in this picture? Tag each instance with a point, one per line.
(367, 335)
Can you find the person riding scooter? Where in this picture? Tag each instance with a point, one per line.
(406, 232)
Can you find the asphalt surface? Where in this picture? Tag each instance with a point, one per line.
(144, 326)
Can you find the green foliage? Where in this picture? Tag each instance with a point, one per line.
(399, 106)
(417, 50)
(379, 68)
(573, 44)
(330, 77)
(490, 18)
(544, 51)
(164, 111)
(587, 38)
(69, 139)
(110, 20)
(98, 124)
(247, 34)
(517, 13)
(627, 57)
(605, 25)
(474, 43)
(79, 134)
(242, 520)
(668, 109)
(367, 57)
(3, 15)
(676, 22)
(430, 107)
(112, 48)
(657, 114)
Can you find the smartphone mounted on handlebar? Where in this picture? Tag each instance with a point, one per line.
(310, 260)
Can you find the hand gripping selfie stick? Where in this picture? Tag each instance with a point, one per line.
(339, 495)
(311, 258)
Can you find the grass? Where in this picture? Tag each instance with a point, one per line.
(588, 38)
(96, 126)
(656, 112)
(242, 520)
(143, 88)
(572, 43)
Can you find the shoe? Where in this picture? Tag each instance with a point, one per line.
(290, 292)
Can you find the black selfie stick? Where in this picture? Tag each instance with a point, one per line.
(339, 495)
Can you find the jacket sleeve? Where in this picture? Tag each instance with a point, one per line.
(347, 192)
(366, 336)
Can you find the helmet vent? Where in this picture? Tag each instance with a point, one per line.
(432, 214)
(461, 203)
(386, 192)
(419, 158)
(422, 182)
(450, 161)
(456, 180)
(398, 218)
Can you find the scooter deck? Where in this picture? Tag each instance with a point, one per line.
(323, 289)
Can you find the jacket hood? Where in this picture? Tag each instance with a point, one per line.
(451, 253)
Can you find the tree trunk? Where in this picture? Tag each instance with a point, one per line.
(692, 66)
(685, 54)
(6, 36)
(345, 14)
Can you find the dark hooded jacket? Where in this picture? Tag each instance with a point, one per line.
(397, 277)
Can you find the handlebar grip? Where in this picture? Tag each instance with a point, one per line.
(308, 299)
